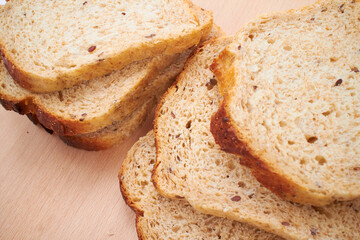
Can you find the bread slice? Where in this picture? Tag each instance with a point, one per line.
(113, 134)
(120, 130)
(48, 46)
(191, 165)
(161, 218)
(89, 106)
(291, 83)
(95, 104)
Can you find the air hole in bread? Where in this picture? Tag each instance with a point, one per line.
(287, 48)
(327, 113)
(271, 41)
(322, 211)
(320, 159)
(333, 59)
(217, 162)
(291, 142)
(135, 199)
(282, 124)
(230, 165)
(188, 124)
(144, 183)
(311, 139)
(277, 148)
(3, 86)
(176, 229)
(61, 97)
(249, 107)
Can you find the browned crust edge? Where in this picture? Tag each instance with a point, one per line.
(97, 143)
(139, 213)
(15, 72)
(227, 137)
(12, 106)
(106, 140)
(88, 144)
(22, 107)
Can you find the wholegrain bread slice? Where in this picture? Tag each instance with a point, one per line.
(121, 129)
(161, 218)
(291, 107)
(113, 134)
(89, 106)
(191, 165)
(50, 45)
(95, 104)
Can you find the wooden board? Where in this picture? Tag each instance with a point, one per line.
(51, 191)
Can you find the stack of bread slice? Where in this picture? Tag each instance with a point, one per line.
(89, 71)
(260, 129)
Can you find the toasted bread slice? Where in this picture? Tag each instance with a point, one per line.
(191, 165)
(95, 104)
(50, 45)
(161, 218)
(291, 107)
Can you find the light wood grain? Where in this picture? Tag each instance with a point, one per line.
(51, 191)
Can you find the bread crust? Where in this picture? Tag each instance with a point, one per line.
(125, 194)
(14, 71)
(22, 107)
(104, 139)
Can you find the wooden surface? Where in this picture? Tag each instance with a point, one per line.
(51, 191)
